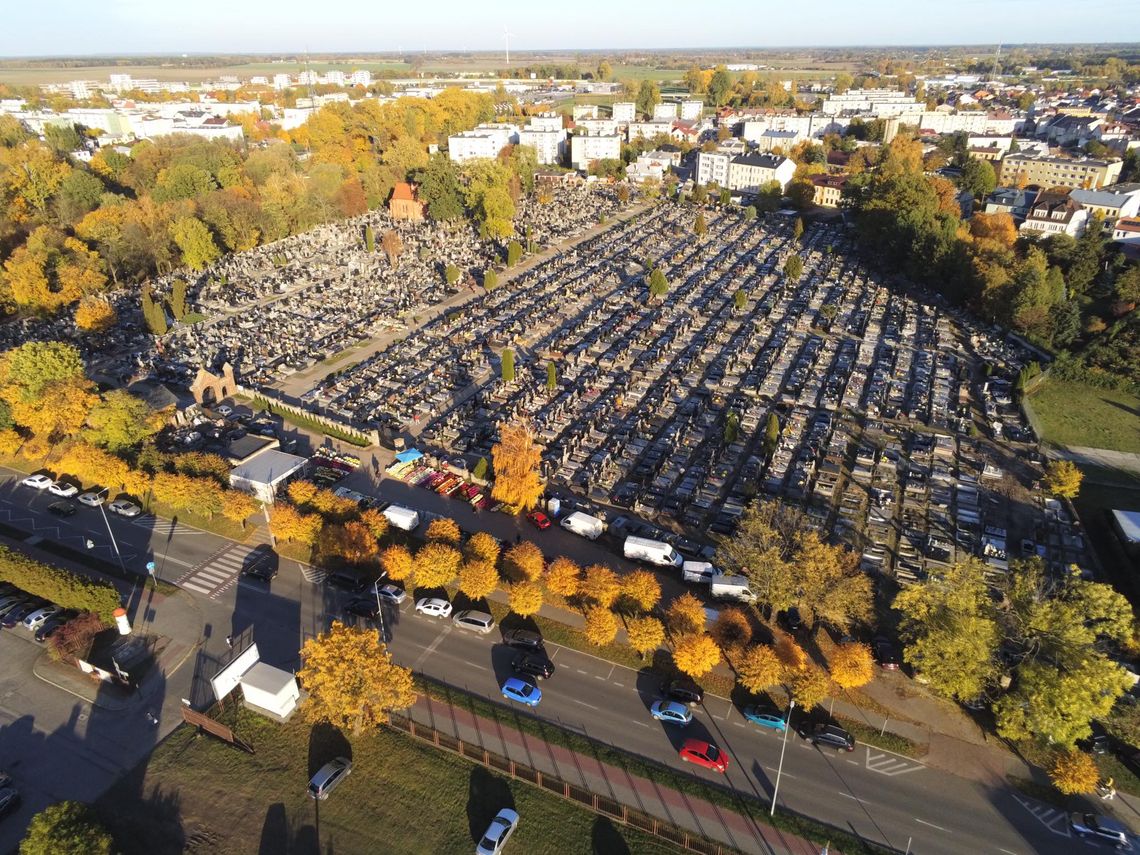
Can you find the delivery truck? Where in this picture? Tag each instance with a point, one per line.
(700, 571)
(732, 588)
(584, 525)
(652, 551)
(402, 518)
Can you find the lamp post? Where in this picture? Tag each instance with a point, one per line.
(783, 747)
(110, 533)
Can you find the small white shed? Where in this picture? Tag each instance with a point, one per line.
(264, 472)
(270, 690)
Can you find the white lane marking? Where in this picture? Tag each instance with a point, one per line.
(430, 649)
(931, 824)
(599, 677)
(473, 665)
(197, 588)
(583, 703)
(856, 798)
(620, 685)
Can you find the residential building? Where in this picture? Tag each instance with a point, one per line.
(361, 77)
(828, 190)
(691, 111)
(1112, 203)
(598, 127)
(653, 164)
(546, 122)
(1049, 171)
(121, 82)
(666, 111)
(1055, 213)
(712, 168)
(648, 130)
(1064, 129)
(747, 173)
(1127, 231)
(282, 81)
(585, 148)
(1011, 200)
(880, 102)
(549, 145)
(334, 78)
(624, 111)
(782, 140)
(484, 141)
(405, 204)
(585, 111)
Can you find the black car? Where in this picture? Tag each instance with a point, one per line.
(14, 616)
(364, 607)
(51, 626)
(886, 654)
(791, 620)
(347, 580)
(685, 691)
(62, 509)
(261, 563)
(832, 735)
(524, 639)
(533, 664)
(9, 800)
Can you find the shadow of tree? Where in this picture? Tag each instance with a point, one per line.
(326, 742)
(487, 794)
(605, 838)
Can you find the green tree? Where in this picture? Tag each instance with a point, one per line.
(793, 268)
(490, 279)
(978, 178)
(439, 187)
(731, 428)
(195, 242)
(508, 365)
(66, 828)
(700, 228)
(63, 139)
(514, 253)
(605, 71)
(120, 421)
(798, 229)
(719, 85)
(771, 434)
(79, 194)
(740, 300)
(369, 239)
(178, 299)
(551, 377)
(658, 285)
(648, 97)
(154, 313)
(480, 470)
(451, 274)
(27, 370)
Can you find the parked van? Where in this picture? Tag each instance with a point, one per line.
(700, 571)
(328, 778)
(732, 588)
(584, 525)
(401, 517)
(652, 551)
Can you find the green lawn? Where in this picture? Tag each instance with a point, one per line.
(1074, 414)
(196, 794)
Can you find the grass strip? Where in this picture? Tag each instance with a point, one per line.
(306, 423)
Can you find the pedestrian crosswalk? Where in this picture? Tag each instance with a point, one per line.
(218, 573)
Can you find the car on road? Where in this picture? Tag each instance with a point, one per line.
(261, 563)
(683, 690)
(62, 508)
(473, 620)
(671, 712)
(9, 800)
(124, 508)
(831, 735)
(1099, 827)
(539, 520)
(37, 482)
(392, 593)
(533, 664)
(364, 607)
(766, 716)
(328, 777)
(434, 607)
(37, 618)
(498, 833)
(14, 616)
(886, 654)
(63, 489)
(515, 689)
(704, 754)
(347, 580)
(91, 500)
(523, 639)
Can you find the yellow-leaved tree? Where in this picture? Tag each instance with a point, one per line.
(808, 685)
(95, 314)
(601, 626)
(791, 654)
(759, 668)
(602, 585)
(646, 634)
(482, 546)
(686, 615)
(524, 562)
(731, 630)
(1063, 479)
(516, 458)
(437, 564)
(1073, 772)
(695, 654)
(351, 680)
(443, 530)
(238, 506)
(397, 562)
(851, 665)
(563, 577)
(642, 589)
(478, 578)
(376, 521)
(525, 598)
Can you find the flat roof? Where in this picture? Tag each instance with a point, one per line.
(266, 678)
(268, 467)
(1129, 524)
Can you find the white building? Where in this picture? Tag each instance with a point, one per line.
(121, 82)
(548, 145)
(361, 77)
(880, 102)
(334, 78)
(1115, 202)
(624, 111)
(282, 81)
(585, 149)
(747, 173)
(1127, 231)
(546, 122)
(1055, 213)
(485, 141)
(648, 130)
(712, 168)
(80, 89)
(665, 112)
(691, 111)
(598, 127)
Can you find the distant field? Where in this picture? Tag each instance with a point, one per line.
(24, 76)
(1073, 414)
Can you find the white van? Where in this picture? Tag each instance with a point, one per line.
(653, 551)
(732, 588)
(700, 571)
(584, 525)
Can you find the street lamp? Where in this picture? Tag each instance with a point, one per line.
(783, 747)
(110, 533)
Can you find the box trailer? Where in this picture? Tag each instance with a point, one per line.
(653, 551)
(584, 525)
(700, 571)
(402, 518)
(732, 588)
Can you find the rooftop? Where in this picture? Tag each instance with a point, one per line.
(268, 467)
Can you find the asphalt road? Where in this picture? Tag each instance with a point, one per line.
(879, 795)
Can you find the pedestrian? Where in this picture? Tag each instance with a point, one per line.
(90, 543)
(229, 642)
(151, 717)
(518, 539)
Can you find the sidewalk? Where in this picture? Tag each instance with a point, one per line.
(741, 830)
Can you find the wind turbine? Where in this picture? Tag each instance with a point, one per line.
(507, 39)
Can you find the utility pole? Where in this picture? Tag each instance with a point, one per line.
(507, 40)
(783, 748)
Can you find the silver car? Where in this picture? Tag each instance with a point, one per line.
(480, 622)
(1103, 828)
(124, 508)
(498, 833)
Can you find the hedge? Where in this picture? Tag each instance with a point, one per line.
(60, 586)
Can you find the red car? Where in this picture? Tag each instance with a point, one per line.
(704, 754)
(540, 520)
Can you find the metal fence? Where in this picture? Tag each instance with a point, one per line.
(602, 805)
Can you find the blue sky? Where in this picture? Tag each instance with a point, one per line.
(82, 27)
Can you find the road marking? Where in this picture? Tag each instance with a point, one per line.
(931, 824)
(430, 649)
(1054, 820)
(583, 703)
(473, 665)
(1006, 851)
(582, 671)
(643, 724)
(599, 677)
(888, 765)
(856, 798)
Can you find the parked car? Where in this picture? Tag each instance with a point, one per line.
(124, 508)
(63, 489)
(14, 616)
(434, 607)
(37, 482)
(704, 754)
(539, 520)
(51, 626)
(329, 777)
(524, 639)
(347, 580)
(766, 716)
(224, 410)
(790, 619)
(498, 833)
(476, 621)
(62, 509)
(9, 800)
(37, 618)
(671, 712)
(91, 500)
(683, 690)
(261, 563)
(533, 664)
(1100, 827)
(515, 689)
(886, 654)
(364, 607)
(392, 593)
(831, 735)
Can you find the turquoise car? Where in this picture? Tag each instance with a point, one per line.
(766, 716)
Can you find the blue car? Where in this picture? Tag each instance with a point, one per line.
(766, 717)
(522, 691)
(671, 712)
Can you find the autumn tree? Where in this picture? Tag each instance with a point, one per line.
(516, 458)
(95, 314)
(66, 828)
(195, 242)
(601, 585)
(831, 586)
(351, 680)
(1063, 479)
(392, 245)
(645, 634)
(437, 564)
(601, 626)
(376, 521)
(482, 546)
(808, 686)
(759, 668)
(686, 615)
(642, 589)
(397, 562)
(351, 541)
(791, 655)
(564, 577)
(478, 578)
(731, 630)
(658, 284)
(851, 665)
(525, 598)
(695, 654)
(524, 561)
(120, 421)
(52, 270)
(238, 506)
(1073, 772)
(444, 530)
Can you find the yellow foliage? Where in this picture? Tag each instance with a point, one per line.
(376, 521)
(10, 441)
(478, 578)
(288, 523)
(437, 564)
(759, 668)
(686, 615)
(1073, 772)
(642, 588)
(791, 654)
(524, 561)
(186, 493)
(696, 654)
(444, 530)
(851, 665)
(351, 680)
(601, 626)
(809, 686)
(59, 411)
(352, 541)
(646, 634)
(516, 458)
(602, 585)
(563, 577)
(732, 629)
(95, 314)
(397, 562)
(525, 598)
(238, 506)
(482, 546)
(301, 492)
(1063, 479)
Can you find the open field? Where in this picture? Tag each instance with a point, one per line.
(197, 794)
(1073, 414)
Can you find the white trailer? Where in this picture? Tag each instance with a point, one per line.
(700, 571)
(732, 588)
(402, 518)
(584, 525)
(653, 551)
